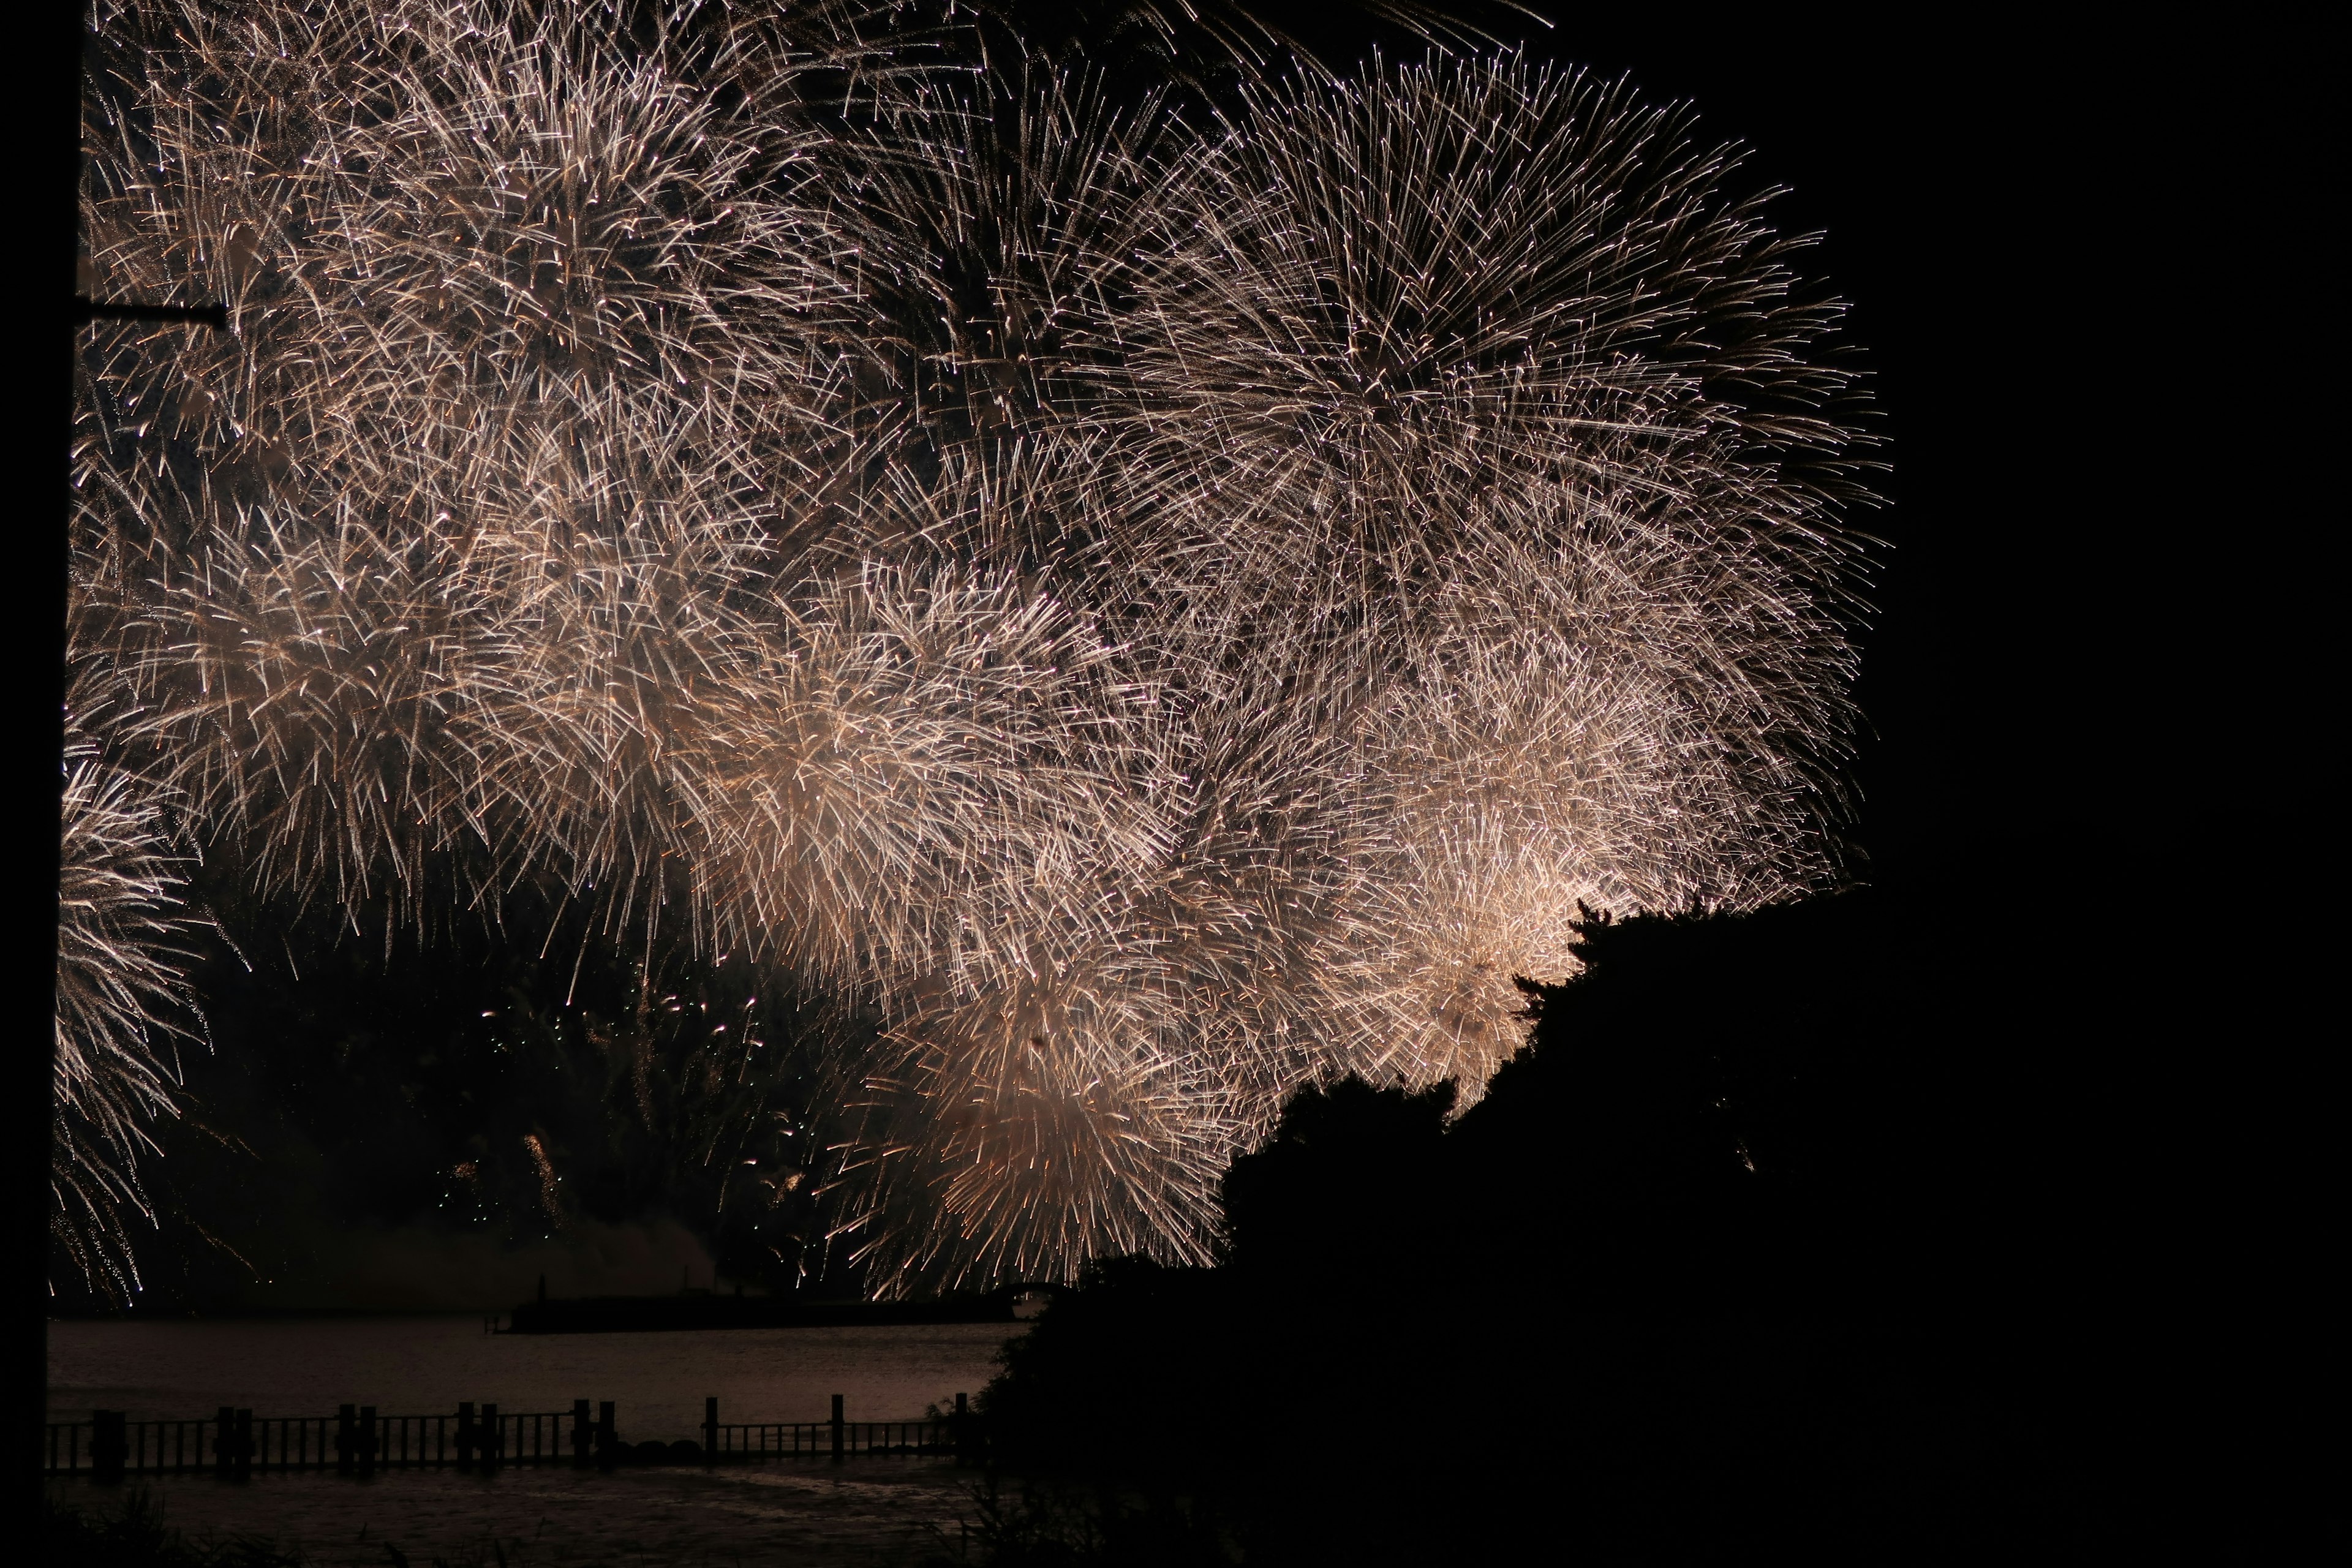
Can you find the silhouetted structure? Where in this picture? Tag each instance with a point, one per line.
(357, 1439)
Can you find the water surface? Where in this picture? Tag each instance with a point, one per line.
(422, 1365)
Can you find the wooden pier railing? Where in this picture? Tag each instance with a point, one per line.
(733, 1442)
(358, 1440)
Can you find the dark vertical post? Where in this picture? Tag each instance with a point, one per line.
(244, 1444)
(607, 1440)
(962, 1430)
(493, 1437)
(38, 576)
(346, 1439)
(223, 1440)
(710, 1430)
(367, 1439)
(110, 1448)
(468, 1436)
(836, 1429)
(583, 1433)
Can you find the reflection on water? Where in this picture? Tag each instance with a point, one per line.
(422, 1365)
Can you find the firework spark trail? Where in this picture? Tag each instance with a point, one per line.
(122, 930)
(1054, 1117)
(930, 767)
(1157, 613)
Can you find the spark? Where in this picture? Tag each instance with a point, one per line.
(123, 925)
(1155, 610)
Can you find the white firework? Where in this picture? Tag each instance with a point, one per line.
(123, 924)
(923, 775)
(1159, 612)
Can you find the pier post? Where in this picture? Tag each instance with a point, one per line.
(110, 1447)
(837, 1433)
(468, 1436)
(346, 1439)
(244, 1444)
(608, 1453)
(709, 1430)
(962, 1430)
(584, 1435)
(367, 1439)
(493, 1437)
(223, 1440)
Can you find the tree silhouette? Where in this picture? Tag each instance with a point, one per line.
(1667, 1289)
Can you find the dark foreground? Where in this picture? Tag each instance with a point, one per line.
(1722, 1264)
(1725, 1266)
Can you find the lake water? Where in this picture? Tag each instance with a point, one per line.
(425, 1365)
(870, 1512)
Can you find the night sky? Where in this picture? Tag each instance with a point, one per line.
(1954, 176)
(2079, 265)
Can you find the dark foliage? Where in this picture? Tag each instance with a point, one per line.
(1051, 1523)
(1704, 1271)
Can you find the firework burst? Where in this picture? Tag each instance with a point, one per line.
(1153, 610)
(1050, 1117)
(926, 775)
